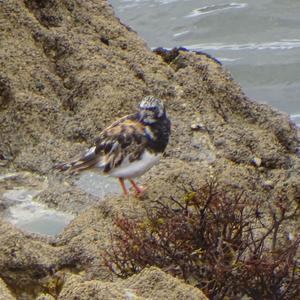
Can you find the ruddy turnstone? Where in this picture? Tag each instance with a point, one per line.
(129, 147)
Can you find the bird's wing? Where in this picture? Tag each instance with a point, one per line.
(125, 139)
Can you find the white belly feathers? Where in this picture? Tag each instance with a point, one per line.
(136, 168)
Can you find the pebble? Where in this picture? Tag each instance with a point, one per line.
(197, 126)
(268, 184)
(257, 161)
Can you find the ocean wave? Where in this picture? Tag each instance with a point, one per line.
(214, 8)
(151, 1)
(296, 118)
(180, 33)
(279, 45)
(226, 59)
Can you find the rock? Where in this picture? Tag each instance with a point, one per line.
(77, 96)
(5, 293)
(59, 197)
(45, 297)
(206, 150)
(23, 260)
(76, 288)
(5, 90)
(71, 68)
(268, 184)
(257, 161)
(150, 284)
(198, 126)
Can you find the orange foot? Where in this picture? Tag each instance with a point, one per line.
(139, 190)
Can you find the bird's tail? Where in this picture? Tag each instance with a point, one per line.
(85, 161)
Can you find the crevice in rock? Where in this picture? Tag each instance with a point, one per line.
(104, 40)
(6, 94)
(28, 282)
(55, 48)
(46, 12)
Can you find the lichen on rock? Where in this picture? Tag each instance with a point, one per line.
(68, 69)
(150, 284)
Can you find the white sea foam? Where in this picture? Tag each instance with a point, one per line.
(181, 33)
(226, 59)
(296, 118)
(151, 1)
(205, 10)
(277, 45)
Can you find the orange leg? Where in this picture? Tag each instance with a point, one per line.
(139, 190)
(121, 180)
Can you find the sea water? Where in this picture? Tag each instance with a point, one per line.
(258, 41)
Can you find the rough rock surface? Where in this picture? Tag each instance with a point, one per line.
(23, 259)
(151, 284)
(5, 293)
(67, 69)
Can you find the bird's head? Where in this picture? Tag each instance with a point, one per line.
(151, 109)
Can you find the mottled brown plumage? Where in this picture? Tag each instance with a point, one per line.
(129, 147)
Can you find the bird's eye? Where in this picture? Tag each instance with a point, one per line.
(152, 108)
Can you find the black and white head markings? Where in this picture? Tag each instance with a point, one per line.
(151, 109)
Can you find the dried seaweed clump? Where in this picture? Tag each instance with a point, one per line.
(217, 240)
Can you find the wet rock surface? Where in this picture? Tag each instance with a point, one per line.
(68, 69)
(24, 259)
(19, 204)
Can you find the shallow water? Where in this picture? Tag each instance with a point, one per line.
(37, 218)
(19, 207)
(257, 40)
(99, 185)
(19, 200)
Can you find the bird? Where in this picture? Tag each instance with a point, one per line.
(129, 147)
